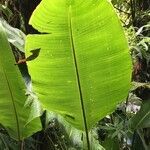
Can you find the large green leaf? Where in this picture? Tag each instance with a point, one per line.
(13, 115)
(80, 65)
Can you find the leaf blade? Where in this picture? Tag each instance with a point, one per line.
(12, 95)
(97, 65)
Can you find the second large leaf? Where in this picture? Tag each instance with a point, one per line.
(80, 64)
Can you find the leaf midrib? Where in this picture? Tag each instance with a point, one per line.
(77, 75)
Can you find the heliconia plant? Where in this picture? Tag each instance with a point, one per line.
(79, 64)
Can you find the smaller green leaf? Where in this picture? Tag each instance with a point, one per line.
(14, 115)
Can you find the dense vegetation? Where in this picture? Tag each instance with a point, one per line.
(39, 124)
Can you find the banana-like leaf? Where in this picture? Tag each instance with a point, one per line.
(80, 64)
(13, 114)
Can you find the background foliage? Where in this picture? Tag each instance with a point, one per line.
(128, 127)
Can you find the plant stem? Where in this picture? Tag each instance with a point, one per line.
(139, 131)
(22, 145)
